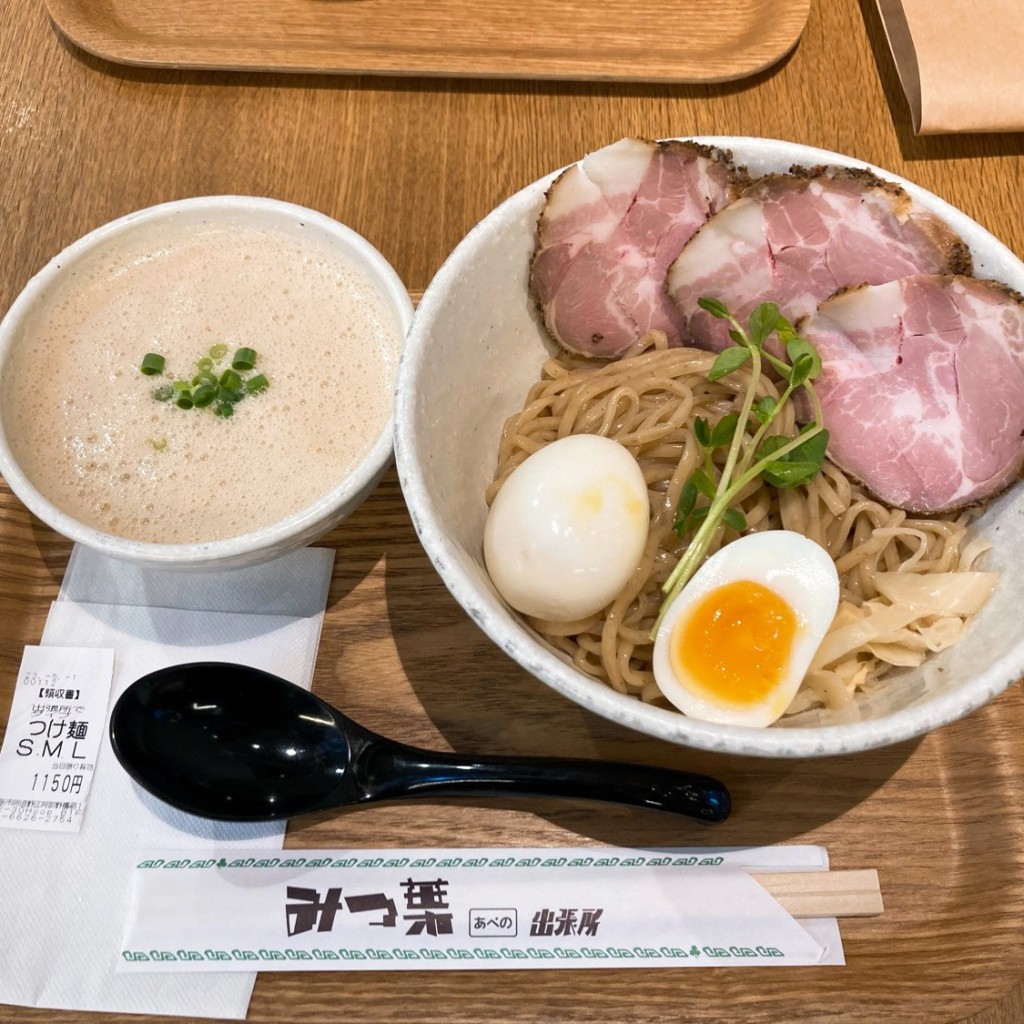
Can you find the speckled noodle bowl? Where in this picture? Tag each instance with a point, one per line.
(261, 545)
(475, 347)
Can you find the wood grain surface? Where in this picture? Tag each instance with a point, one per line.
(413, 164)
(616, 40)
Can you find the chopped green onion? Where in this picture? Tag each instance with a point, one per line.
(152, 364)
(204, 395)
(245, 359)
(205, 388)
(158, 443)
(230, 379)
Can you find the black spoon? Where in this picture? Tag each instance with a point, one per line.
(237, 744)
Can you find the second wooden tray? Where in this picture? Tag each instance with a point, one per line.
(616, 40)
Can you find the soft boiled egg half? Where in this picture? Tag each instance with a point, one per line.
(567, 528)
(735, 644)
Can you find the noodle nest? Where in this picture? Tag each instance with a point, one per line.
(908, 586)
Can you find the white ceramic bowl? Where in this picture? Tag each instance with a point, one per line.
(476, 346)
(299, 529)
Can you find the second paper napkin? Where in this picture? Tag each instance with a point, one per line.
(67, 895)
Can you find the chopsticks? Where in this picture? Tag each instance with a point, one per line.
(825, 893)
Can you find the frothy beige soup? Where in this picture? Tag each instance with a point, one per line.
(86, 430)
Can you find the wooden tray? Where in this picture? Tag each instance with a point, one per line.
(939, 818)
(609, 40)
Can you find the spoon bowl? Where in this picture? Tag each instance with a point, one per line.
(234, 743)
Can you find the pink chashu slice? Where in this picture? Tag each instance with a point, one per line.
(922, 388)
(611, 226)
(795, 239)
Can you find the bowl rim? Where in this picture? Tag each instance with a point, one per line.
(536, 657)
(243, 548)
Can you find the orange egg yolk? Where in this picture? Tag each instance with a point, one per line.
(736, 642)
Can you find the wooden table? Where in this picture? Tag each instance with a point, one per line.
(413, 164)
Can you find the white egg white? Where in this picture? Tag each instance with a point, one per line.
(801, 572)
(567, 528)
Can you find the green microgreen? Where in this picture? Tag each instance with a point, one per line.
(750, 451)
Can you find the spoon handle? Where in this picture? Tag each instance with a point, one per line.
(390, 770)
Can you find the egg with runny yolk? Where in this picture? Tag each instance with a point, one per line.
(735, 645)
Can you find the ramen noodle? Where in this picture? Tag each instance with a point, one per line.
(908, 585)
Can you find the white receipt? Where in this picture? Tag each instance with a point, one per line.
(53, 737)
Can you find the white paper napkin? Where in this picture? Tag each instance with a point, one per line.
(66, 896)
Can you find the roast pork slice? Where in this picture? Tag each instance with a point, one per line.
(611, 226)
(796, 239)
(922, 388)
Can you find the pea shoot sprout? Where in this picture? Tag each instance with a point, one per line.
(751, 452)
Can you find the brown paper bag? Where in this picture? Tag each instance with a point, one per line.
(961, 62)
